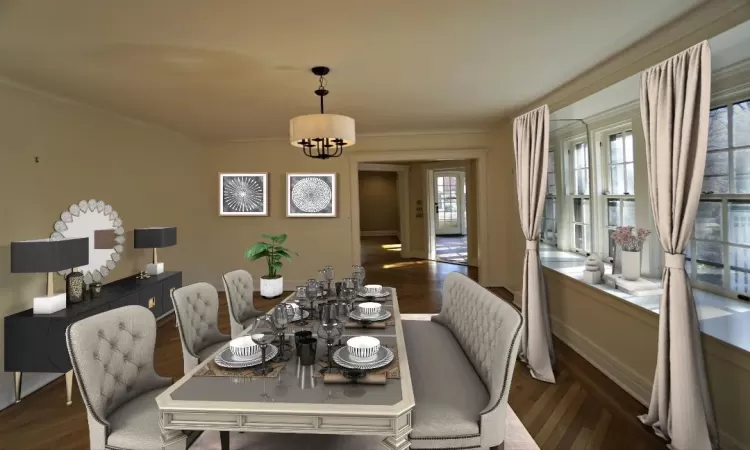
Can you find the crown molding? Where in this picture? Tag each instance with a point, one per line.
(625, 108)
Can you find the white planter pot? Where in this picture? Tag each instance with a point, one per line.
(631, 265)
(271, 287)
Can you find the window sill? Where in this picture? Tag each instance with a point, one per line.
(723, 318)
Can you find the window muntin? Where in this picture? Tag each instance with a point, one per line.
(549, 216)
(581, 197)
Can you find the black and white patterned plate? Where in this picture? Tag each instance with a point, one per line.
(382, 315)
(342, 358)
(228, 360)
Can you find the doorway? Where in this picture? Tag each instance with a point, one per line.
(450, 205)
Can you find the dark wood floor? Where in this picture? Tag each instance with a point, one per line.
(584, 410)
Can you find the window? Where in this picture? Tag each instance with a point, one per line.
(549, 215)
(581, 196)
(718, 256)
(619, 192)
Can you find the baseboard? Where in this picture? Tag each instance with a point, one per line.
(629, 380)
(379, 233)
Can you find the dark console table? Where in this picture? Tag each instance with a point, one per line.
(36, 342)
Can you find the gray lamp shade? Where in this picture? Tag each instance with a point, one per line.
(45, 255)
(154, 237)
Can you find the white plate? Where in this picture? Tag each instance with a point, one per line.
(298, 317)
(384, 293)
(228, 360)
(342, 358)
(384, 314)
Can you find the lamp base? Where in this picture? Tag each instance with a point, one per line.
(49, 304)
(155, 269)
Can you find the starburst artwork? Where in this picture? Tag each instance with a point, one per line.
(243, 194)
(311, 195)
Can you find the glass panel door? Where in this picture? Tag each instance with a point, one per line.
(449, 203)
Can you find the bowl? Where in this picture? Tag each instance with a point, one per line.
(373, 289)
(369, 309)
(243, 347)
(363, 348)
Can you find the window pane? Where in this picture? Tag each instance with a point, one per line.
(582, 237)
(741, 171)
(715, 185)
(581, 210)
(718, 135)
(708, 221)
(551, 161)
(549, 208)
(717, 163)
(580, 156)
(582, 182)
(708, 257)
(739, 222)
(628, 213)
(551, 186)
(739, 273)
(629, 179)
(741, 123)
(615, 148)
(617, 179)
(613, 213)
(628, 146)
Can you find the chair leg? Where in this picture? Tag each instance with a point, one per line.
(69, 387)
(224, 437)
(18, 376)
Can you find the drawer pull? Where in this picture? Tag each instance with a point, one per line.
(151, 302)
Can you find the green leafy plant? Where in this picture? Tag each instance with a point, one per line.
(273, 251)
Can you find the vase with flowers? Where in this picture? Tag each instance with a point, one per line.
(630, 240)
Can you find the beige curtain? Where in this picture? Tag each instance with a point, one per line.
(675, 97)
(531, 143)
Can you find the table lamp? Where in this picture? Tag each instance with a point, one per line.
(45, 255)
(154, 237)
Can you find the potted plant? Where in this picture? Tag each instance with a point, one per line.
(631, 241)
(272, 284)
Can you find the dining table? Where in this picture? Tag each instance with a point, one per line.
(292, 400)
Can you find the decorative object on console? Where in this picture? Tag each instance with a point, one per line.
(74, 287)
(272, 284)
(594, 269)
(243, 194)
(322, 136)
(311, 195)
(154, 237)
(95, 289)
(631, 241)
(48, 256)
(97, 221)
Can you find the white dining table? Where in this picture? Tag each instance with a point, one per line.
(304, 406)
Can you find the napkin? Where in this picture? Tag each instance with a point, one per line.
(376, 325)
(371, 378)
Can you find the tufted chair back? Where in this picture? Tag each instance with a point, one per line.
(113, 358)
(197, 310)
(489, 330)
(238, 285)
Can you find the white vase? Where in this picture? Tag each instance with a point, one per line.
(631, 265)
(271, 287)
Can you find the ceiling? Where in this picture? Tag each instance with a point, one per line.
(236, 70)
(728, 48)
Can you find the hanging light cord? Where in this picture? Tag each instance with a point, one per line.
(322, 92)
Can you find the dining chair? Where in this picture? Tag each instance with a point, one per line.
(238, 285)
(112, 354)
(197, 309)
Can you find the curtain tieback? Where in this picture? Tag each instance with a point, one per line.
(674, 261)
(532, 245)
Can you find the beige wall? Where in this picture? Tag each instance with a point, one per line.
(378, 200)
(149, 175)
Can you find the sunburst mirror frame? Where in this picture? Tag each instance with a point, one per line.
(85, 219)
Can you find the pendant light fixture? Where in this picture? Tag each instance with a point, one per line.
(322, 136)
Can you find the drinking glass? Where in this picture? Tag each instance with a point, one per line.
(359, 272)
(263, 332)
(329, 330)
(329, 276)
(323, 290)
(311, 293)
(282, 314)
(300, 294)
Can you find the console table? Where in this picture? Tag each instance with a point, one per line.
(36, 342)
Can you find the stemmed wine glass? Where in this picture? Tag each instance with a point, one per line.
(311, 293)
(282, 314)
(263, 332)
(330, 329)
(358, 272)
(329, 276)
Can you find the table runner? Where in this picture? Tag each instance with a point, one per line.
(214, 370)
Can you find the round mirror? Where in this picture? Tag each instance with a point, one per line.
(97, 221)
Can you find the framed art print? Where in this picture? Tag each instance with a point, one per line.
(311, 195)
(243, 194)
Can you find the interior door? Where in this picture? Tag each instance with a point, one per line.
(449, 203)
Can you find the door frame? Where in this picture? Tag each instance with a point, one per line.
(480, 154)
(402, 172)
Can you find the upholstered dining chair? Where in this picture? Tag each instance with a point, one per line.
(197, 309)
(112, 354)
(238, 285)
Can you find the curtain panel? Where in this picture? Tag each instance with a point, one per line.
(531, 144)
(675, 100)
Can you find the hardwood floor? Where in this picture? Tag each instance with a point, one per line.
(584, 410)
